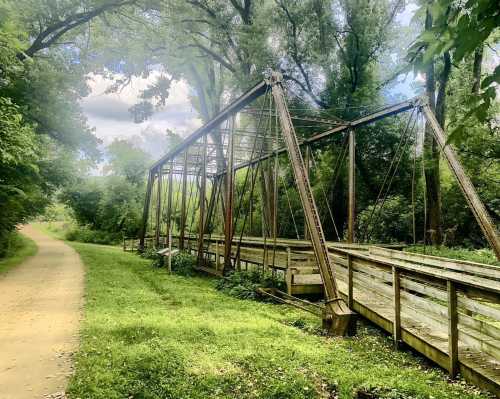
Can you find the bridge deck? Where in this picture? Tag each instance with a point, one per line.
(439, 301)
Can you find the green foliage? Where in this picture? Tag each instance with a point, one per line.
(86, 234)
(483, 255)
(244, 284)
(41, 125)
(148, 334)
(152, 254)
(394, 223)
(460, 28)
(111, 204)
(127, 160)
(56, 212)
(183, 264)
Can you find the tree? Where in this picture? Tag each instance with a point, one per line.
(127, 160)
(461, 30)
(42, 78)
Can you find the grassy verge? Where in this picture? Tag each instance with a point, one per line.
(20, 248)
(484, 255)
(147, 334)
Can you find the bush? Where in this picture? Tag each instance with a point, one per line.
(152, 254)
(484, 255)
(87, 235)
(244, 284)
(183, 263)
(393, 224)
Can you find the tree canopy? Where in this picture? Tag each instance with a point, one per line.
(340, 58)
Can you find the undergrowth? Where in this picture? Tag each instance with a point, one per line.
(484, 255)
(244, 284)
(183, 263)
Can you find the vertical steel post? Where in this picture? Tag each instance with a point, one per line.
(307, 156)
(464, 182)
(182, 229)
(203, 186)
(352, 188)
(145, 212)
(228, 225)
(250, 225)
(338, 318)
(170, 189)
(159, 179)
(211, 203)
(274, 206)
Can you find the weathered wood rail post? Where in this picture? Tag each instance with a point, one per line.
(396, 285)
(452, 328)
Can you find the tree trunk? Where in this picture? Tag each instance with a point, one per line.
(434, 230)
(476, 70)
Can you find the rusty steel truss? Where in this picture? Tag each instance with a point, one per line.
(202, 171)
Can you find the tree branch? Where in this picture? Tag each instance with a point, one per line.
(212, 54)
(49, 36)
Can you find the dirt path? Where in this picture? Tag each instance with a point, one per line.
(40, 311)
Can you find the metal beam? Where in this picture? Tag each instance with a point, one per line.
(203, 186)
(307, 160)
(182, 229)
(475, 203)
(228, 225)
(159, 179)
(145, 212)
(169, 206)
(365, 120)
(255, 92)
(352, 187)
(339, 318)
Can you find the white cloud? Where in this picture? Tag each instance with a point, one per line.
(108, 112)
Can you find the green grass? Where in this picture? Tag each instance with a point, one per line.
(484, 255)
(150, 335)
(20, 248)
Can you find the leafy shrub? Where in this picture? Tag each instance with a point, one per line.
(183, 263)
(87, 235)
(244, 284)
(393, 224)
(152, 253)
(484, 255)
